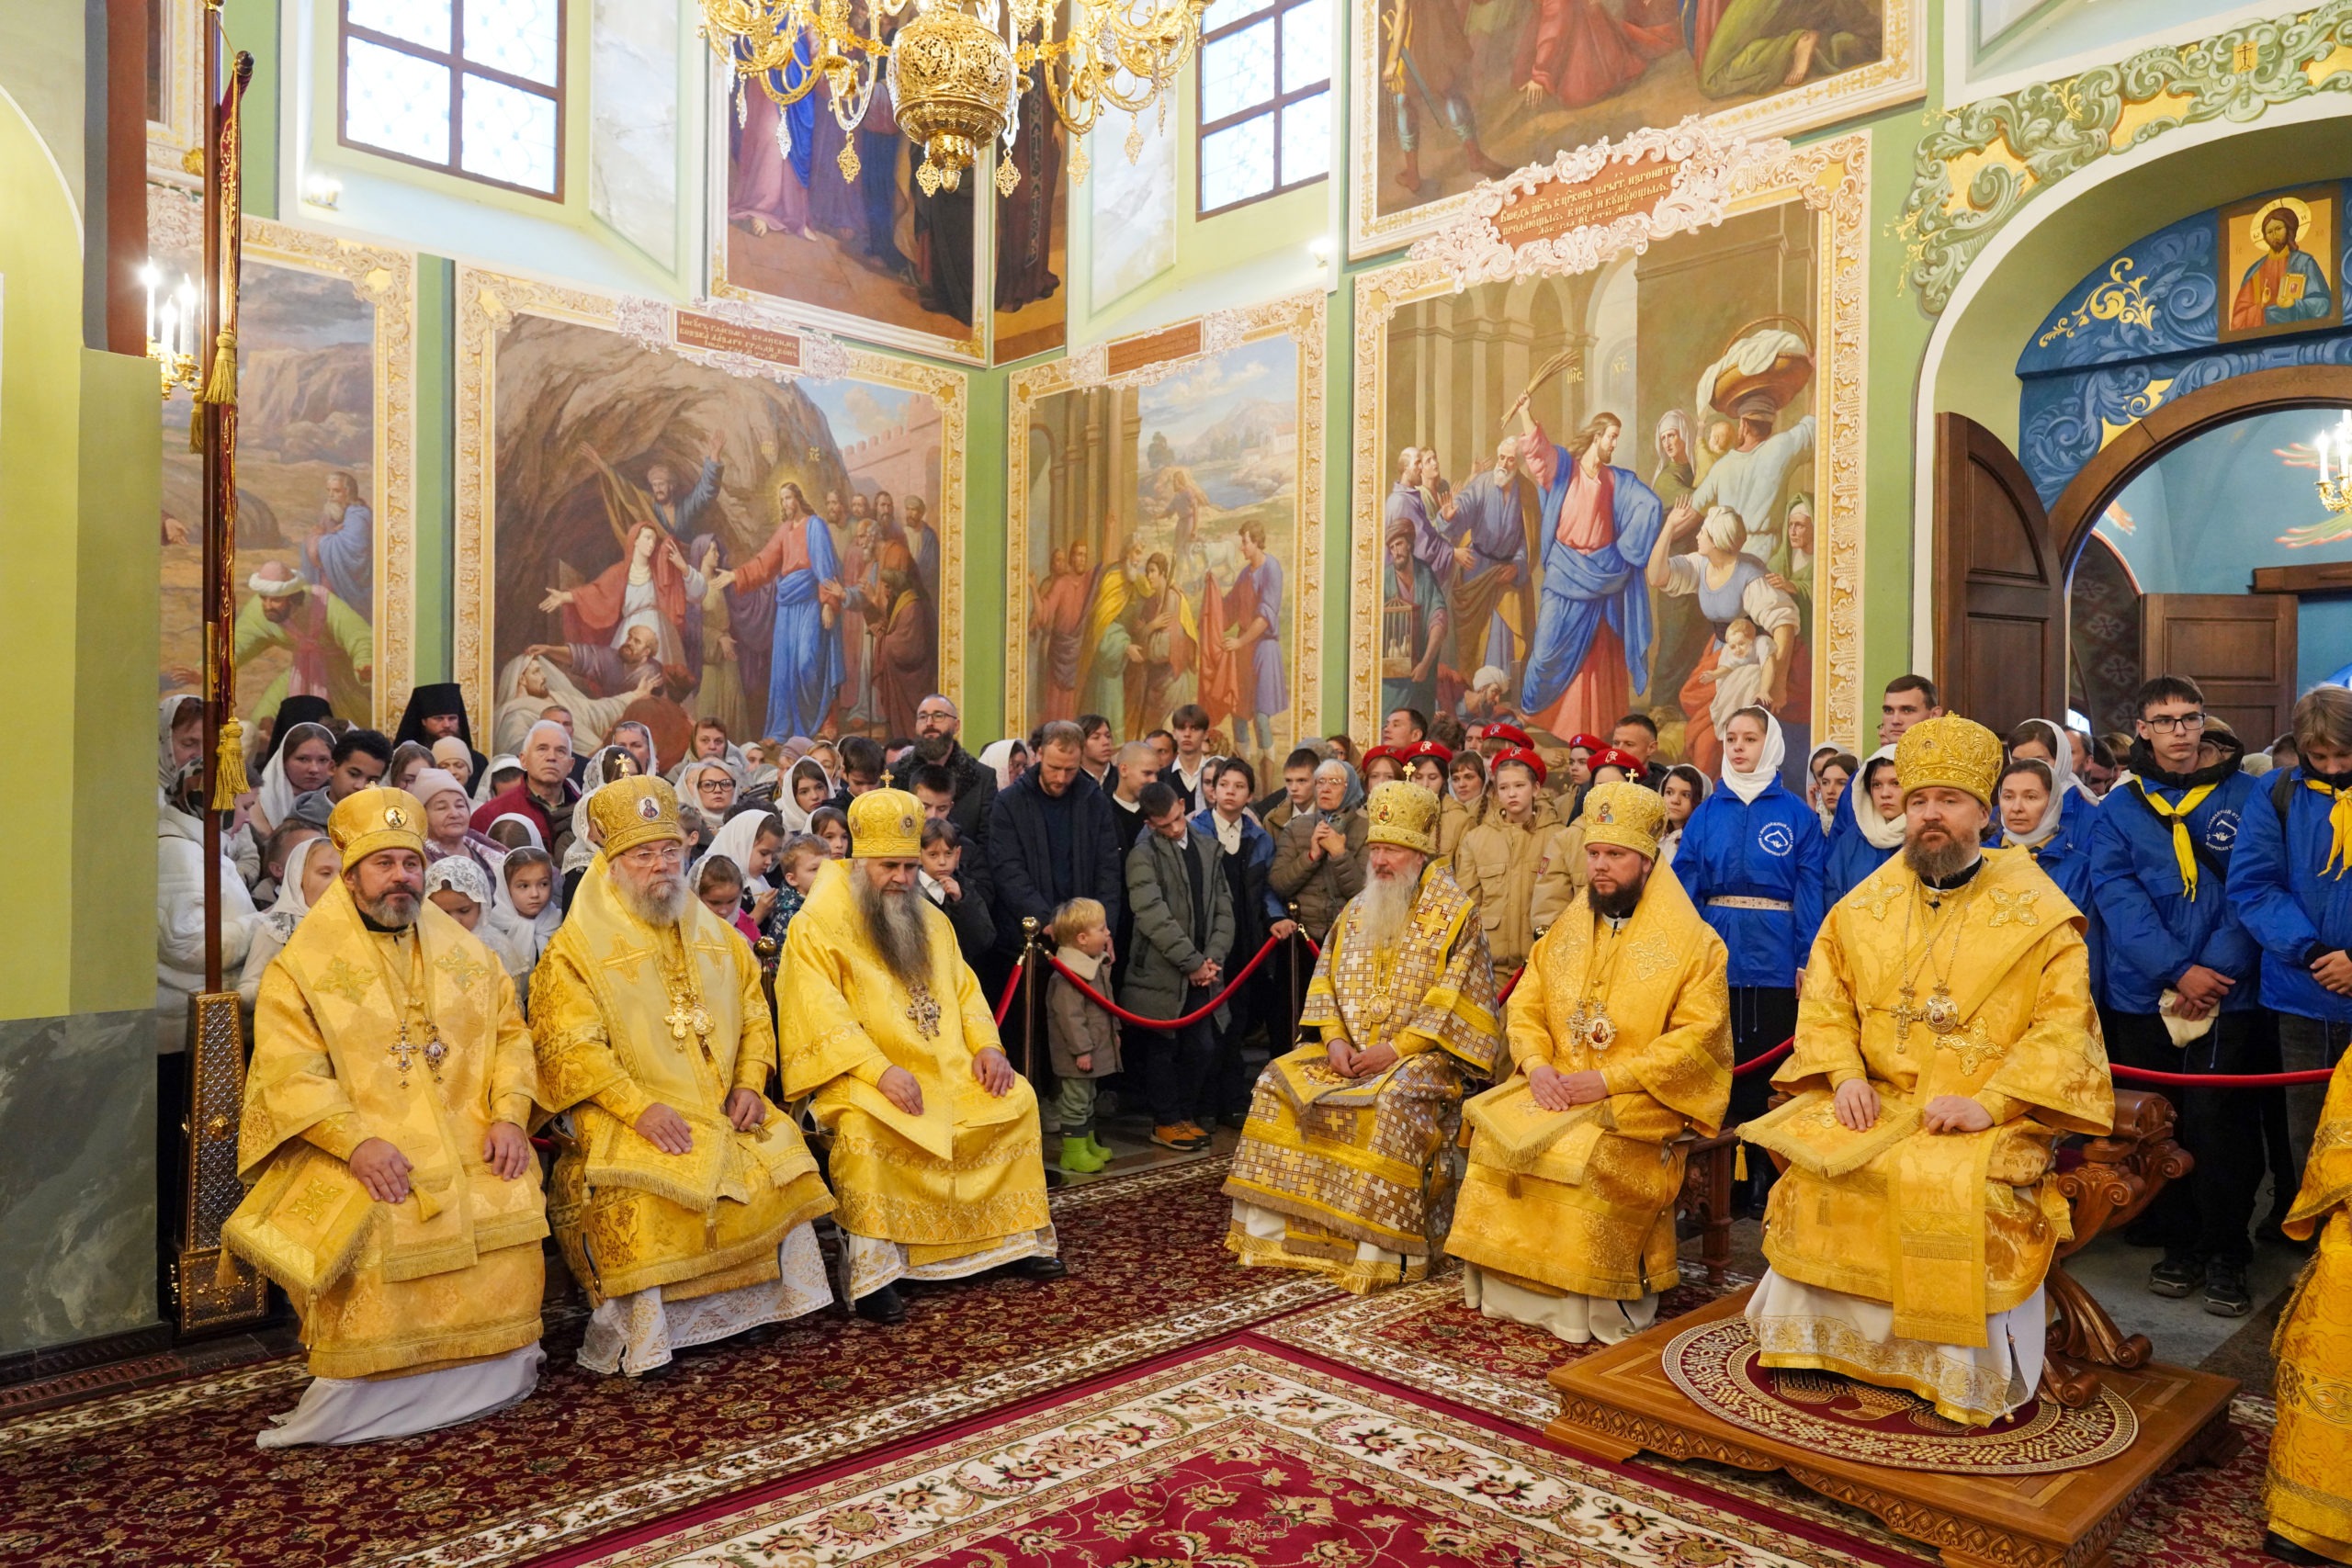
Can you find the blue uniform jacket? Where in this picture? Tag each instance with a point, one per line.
(1851, 858)
(1771, 848)
(2066, 861)
(2285, 897)
(2155, 932)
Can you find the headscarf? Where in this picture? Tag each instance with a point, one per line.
(275, 804)
(541, 926)
(602, 770)
(735, 839)
(293, 711)
(165, 764)
(1354, 797)
(2043, 831)
(459, 873)
(1748, 785)
(528, 827)
(289, 907)
(498, 764)
(448, 749)
(652, 747)
(2062, 764)
(1880, 831)
(999, 757)
(787, 804)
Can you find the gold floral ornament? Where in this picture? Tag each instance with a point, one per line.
(2114, 300)
(958, 69)
(885, 824)
(1628, 815)
(1404, 815)
(1949, 752)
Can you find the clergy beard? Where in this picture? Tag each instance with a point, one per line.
(1938, 859)
(894, 921)
(395, 910)
(1618, 905)
(660, 899)
(1384, 908)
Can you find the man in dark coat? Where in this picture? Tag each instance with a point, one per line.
(1050, 840)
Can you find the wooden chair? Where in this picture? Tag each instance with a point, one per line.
(2115, 1179)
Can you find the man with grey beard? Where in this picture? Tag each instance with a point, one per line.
(1945, 1038)
(1403, 1001)
(937, 1159)
(683, 1198)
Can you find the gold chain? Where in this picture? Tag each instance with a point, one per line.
(416, 1001)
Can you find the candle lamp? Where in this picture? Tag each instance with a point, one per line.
(2335, 448)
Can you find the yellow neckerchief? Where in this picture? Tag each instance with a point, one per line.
(2183, 850)
(2339, 822)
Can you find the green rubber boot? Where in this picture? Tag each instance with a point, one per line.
(1079, 1156)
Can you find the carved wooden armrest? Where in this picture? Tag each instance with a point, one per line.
(2121, 1173)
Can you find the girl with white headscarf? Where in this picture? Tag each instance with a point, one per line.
(1875, 798)
(179, 908)
(462, 879)
(1000, 756)
(2058, 840)
(294, 769)
(738, 840)
(1752, 858)
(790, 809)
(310, 870)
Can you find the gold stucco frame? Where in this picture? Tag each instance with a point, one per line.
(1898, 76)
(1832, 178)
(486, 300)
(1300, 317)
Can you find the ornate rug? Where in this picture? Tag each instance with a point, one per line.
(1233, 1457)
(1715, 1364)
(171, 1476)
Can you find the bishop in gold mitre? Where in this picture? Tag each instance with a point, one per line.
(683, 1197)
(937, 1158)
(1330, 1176)
(2308, 1492)
(395, 1194)
(1620, 1027)
(1945, 1037)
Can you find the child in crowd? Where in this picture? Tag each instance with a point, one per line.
(943, 883)
(831, 824)
(1082, 1038)
(796, 865)
(459, 888)
(718, 883)
(523, 916)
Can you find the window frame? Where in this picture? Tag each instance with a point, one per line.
(459, 67)
(1274, 107)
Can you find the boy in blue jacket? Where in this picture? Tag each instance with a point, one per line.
(2288, 890)
(2160, 863)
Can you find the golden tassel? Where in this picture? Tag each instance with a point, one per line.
(228, 767)
(222, 387)
(195, 434)
(225, 1275)
(1740, 1162)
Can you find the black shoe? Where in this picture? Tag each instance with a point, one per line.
(884, 1307)
(2226, 1291)
(1041, 1269)
(2284, 1551)
(1236, 1120)
(2178, 1275)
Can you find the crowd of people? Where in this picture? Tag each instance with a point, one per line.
(1462, 899)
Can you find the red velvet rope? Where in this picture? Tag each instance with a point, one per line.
(1509, 985)
(2221, 1080)
(1767, 1059)
(1011, 987)
(1116, 1010)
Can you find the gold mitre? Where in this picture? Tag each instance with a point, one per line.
(635, 810)
(885, 824)
(373, 820)
(1949, 752)
(1628, 815)
(1404, 815)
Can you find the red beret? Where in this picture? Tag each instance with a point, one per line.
(1524, 755)
(1587, 742)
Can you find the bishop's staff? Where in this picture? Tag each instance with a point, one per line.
(211, 1289)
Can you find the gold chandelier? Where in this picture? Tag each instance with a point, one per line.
(958, 69)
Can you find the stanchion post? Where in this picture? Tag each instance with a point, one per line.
(1297, 991)
(1029, 962)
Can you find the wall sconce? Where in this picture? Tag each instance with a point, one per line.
(2335, 494)
(171, 330)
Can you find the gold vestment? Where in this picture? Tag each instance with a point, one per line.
(626, 1017)
(1582, 1201)
(2308, 1489)
(1341, 1159)
(966, 1175)
(1950, 1228)
(452, 1273)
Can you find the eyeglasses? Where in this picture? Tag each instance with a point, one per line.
(2165, 723)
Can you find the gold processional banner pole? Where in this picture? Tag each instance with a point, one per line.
(215, 1290)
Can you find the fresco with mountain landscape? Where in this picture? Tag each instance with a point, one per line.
(1162, 551)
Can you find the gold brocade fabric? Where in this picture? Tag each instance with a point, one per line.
(453, 1273)
(1582, 1201)
(968, 1171)
(609, 1001)
(2309, 1488)
(1344, 1158)
(1947, 1228)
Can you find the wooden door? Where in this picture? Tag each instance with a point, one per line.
(2240, 648)
(2000, 587)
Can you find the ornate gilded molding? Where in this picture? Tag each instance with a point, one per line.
(1898, 76)
(487, 301)
(176, 131)
(1301, 318)
(1832, 180)
(1979, 165)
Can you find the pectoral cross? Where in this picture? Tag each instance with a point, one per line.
(1905, 1016)
(923, 1011)
(679, 1019)
(405, 1049)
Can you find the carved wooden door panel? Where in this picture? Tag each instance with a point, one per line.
(2238, 648)
(2000, 590)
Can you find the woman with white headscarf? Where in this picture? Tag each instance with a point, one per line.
(1729, 585)
(294, 769)
(179, 906)
(805, 787)
(310, 870)
(447, 817)
(1008, 758)
(1752, 858)
(742, 841)
(1875, 800)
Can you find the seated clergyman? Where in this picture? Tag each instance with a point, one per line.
(684, 1198)
(1620, 1027)
(937, 1157)
(1945, 1038)
(1329, 1174)
(395, 1194)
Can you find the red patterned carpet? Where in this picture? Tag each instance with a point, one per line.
(172, 1475)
